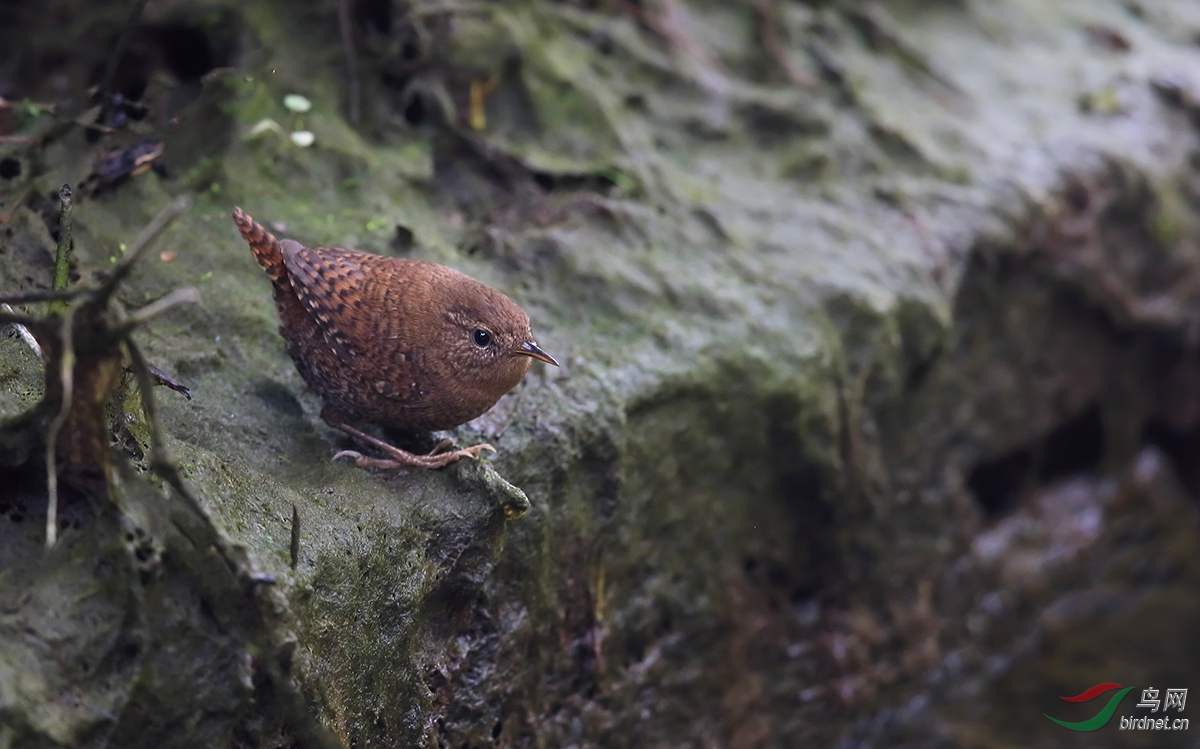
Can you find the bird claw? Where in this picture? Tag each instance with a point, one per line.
(435, 458)
(362, 461)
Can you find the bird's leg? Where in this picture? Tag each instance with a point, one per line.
(436, 458)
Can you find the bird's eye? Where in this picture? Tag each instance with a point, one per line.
(482, 338)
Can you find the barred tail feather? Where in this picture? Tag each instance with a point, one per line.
(263, 244)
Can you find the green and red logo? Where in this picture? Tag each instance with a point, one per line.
(1101, 718)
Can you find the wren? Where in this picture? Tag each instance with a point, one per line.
(401, 344)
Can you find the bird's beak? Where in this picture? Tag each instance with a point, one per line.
(533, 352)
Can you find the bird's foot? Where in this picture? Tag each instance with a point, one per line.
(438, 457)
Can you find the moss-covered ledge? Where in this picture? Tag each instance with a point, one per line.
(818, 340)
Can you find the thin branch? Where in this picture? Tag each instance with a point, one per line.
(16, 318)
(186, 295)
(66, 372)
(62, 257)
(158, 451)
(147, 236)
(24, 297)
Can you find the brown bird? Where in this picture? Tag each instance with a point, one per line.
(403, 344)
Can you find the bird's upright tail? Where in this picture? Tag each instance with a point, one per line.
(263, 244)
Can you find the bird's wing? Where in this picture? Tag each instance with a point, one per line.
(338, 289)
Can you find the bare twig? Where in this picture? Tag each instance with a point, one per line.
(156, 226)
(158, 451)
(62, 257)
(16, 318)
(66, 372)
(60, 295)
(190, 533)
(66, 361)
(23, 297)
(186, 295)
